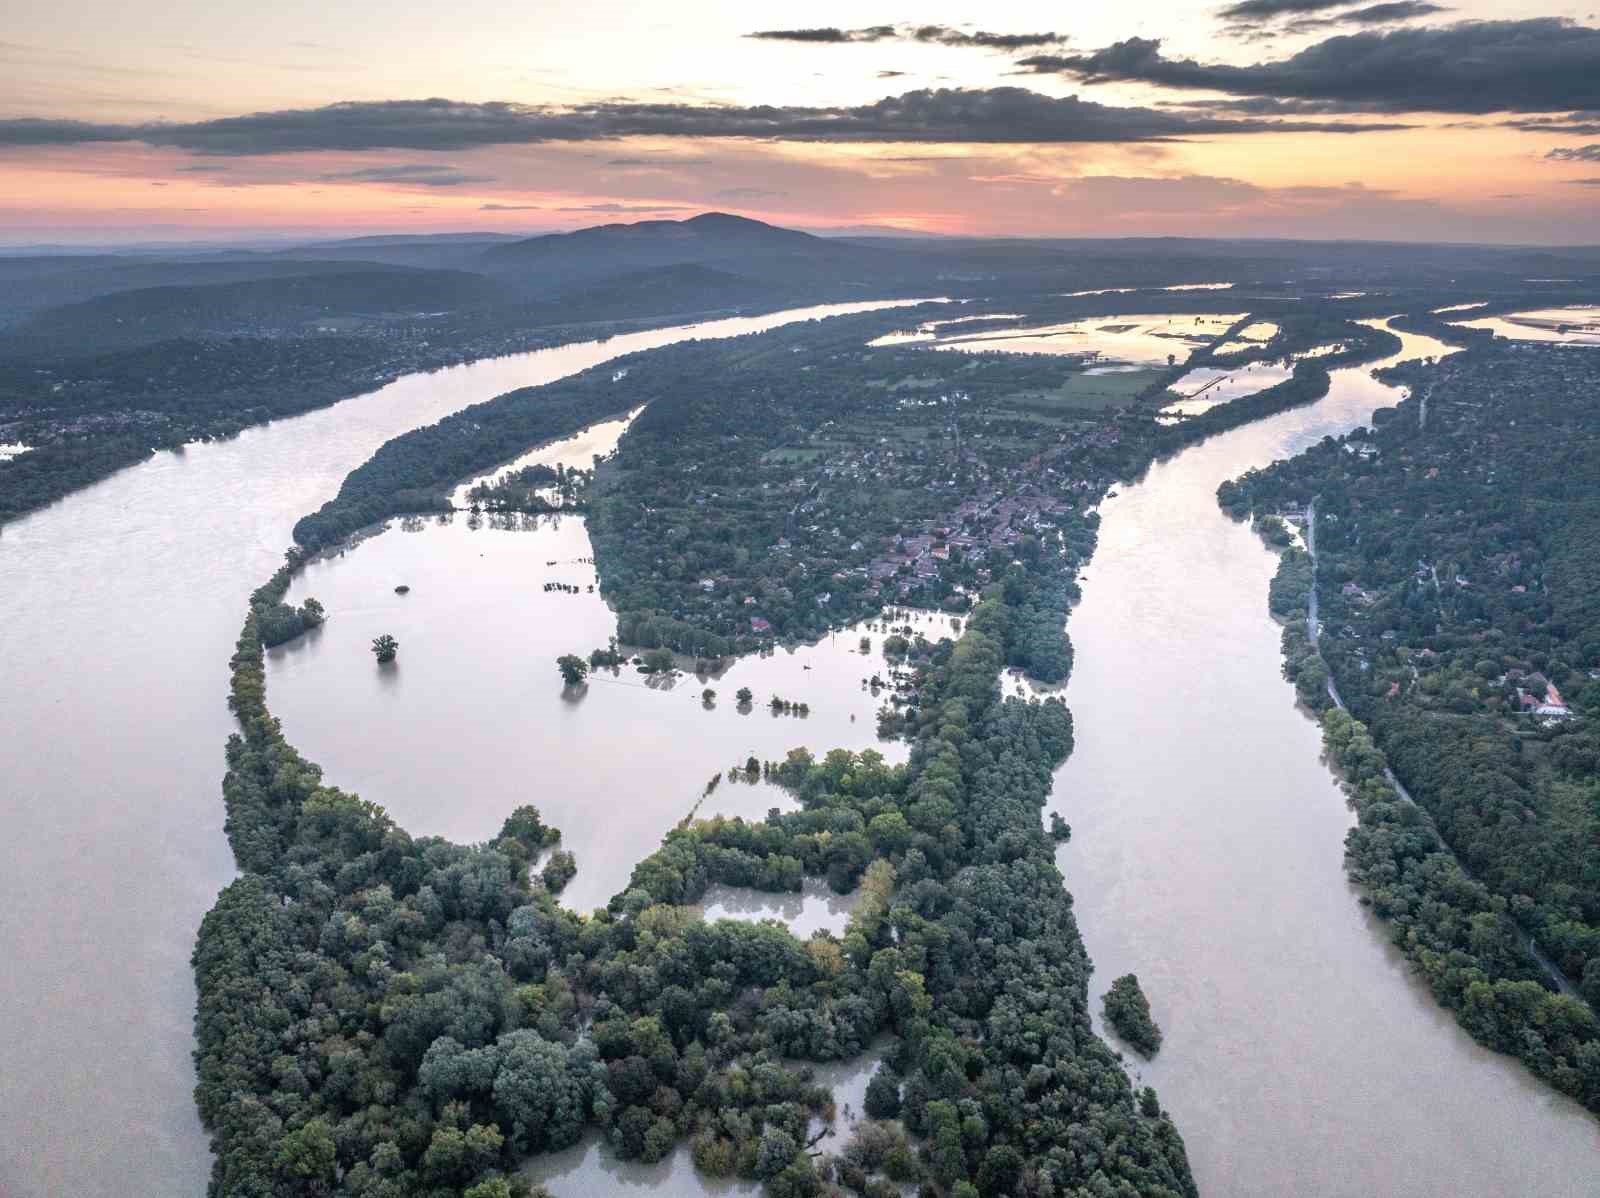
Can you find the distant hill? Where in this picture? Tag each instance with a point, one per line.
(257, 306)
(29, 285)
(736, 244)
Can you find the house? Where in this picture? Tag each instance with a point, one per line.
(759, 625)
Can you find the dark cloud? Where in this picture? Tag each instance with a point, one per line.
(1575, 154)
(509, 208)
(827, 36)
(204, 168)
(943, 35)
(1373, 14)
(1539, 65)
(662, 163)
(1255, 10)
(1257, 106)
(999, 115)
(38, 131)
(1590, 182)
(1399, 10)
(1575, 124)
(940, 35)
(421, 174)
(890, 74)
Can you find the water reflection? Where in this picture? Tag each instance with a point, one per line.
(1148, 339)
(1568, 326)
(590, 1167)
(815, 909)
(1206, 387)
(476, 722)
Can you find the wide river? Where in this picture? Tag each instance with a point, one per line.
(1301, 1058)
(119, 607)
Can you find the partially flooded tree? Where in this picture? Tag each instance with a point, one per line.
(573, 668)
(384, 648)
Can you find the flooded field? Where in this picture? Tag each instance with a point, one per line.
(1569, 326)
(472, 720)
(1207, 387)
(1149, 339)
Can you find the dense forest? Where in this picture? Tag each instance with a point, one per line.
(387, 1015)
(842, 476)
(384, 1015)
(1458, 572)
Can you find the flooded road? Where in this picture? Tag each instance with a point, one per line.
(118, 612)
(1300, 1055)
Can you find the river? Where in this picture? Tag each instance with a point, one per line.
(1300, 1055)
(118, 612)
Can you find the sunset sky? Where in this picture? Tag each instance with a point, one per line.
(1406, 119)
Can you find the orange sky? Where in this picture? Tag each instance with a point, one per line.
(1450, 175)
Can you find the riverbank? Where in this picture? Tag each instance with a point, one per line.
(960, 821)
(1301, 1054)
(121, 844)
(1502, 987)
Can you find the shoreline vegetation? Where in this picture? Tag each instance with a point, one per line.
(386, 1015)
(1479, 873)
(403, 1015)
(212, 389)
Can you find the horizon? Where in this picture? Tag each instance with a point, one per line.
(1323, 120)
(135, 239)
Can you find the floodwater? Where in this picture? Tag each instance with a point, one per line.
(1204, 387)
(472, 719)
(1131, 290)
(1568, 326)
(118, 613)
(1148, 339)
(815, 909)
(1301, 1056)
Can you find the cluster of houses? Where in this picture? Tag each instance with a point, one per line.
(1540, 698)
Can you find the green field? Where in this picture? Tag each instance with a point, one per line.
(1086, 392)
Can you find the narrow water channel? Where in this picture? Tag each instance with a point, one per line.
(1301, 1056)
(119, 607)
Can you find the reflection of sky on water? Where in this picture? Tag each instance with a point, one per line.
(1568, 326)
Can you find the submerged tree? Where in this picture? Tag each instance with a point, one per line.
(573, 668)
(384, 648)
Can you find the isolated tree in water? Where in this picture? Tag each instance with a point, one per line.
(385, 647)
(573, 668)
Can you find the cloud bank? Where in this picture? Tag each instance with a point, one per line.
(1544, 64)
(998, 115)
(940, 35)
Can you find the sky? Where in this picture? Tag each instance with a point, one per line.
(1414, 120)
